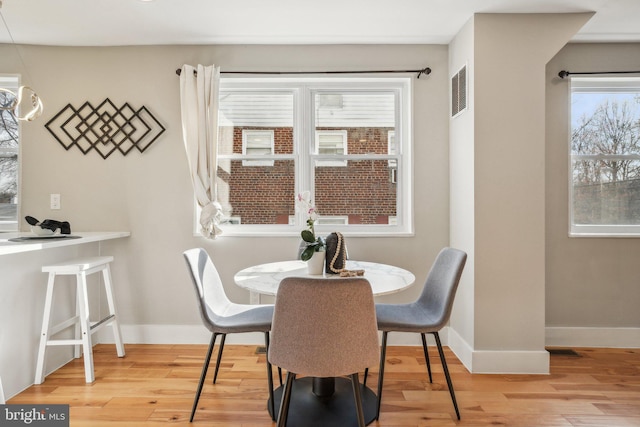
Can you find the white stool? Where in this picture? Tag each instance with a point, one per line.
(80, 268)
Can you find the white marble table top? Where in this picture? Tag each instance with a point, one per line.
(265, 278)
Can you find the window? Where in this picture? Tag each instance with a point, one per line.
(9, 159)
(605, 157)
(258, 143)
(328, 136)
(331, 142)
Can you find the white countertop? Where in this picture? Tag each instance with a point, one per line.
(7, 247)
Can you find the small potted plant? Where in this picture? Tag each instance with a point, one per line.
(314, 246)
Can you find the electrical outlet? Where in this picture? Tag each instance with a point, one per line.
(55, 201)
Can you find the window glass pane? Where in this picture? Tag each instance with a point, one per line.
(256, 123)
(599, 198)
(9, 139)
(605, 154)
(362, 191)
(257, 195)
(366, 117)
(344, 139)
(255, 111)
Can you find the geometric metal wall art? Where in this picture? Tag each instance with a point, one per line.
(105, 128)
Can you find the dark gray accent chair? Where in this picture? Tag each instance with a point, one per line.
(427, 315)
(221, 316)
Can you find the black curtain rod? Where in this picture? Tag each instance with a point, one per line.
(562, 74)
(425, 71)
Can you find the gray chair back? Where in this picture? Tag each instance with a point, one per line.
(440, 288)
(324, 327)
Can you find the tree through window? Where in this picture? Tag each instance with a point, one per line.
(9, 149)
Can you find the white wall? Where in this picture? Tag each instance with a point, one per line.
(149, 194)
(462, 197)
(510, 52)
(592, 286)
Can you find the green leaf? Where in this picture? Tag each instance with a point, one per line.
(307, 253)
(308, 236)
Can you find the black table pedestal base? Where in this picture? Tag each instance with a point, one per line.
(338, 409)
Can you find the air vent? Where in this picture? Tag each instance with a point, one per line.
(459, 92)
(562, 352)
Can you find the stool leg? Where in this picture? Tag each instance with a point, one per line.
(44, 335)
(115, 324)
(83, 302)
(77, 349)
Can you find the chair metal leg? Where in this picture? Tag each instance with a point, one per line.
(426, 355)
(366, 374)
(383, 354)
(286, 399)
(219, 358)
(446, 373)
(203, 375)
(355, 383)
(280, 374)
(270, 378)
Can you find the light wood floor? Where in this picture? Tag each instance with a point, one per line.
(155, 385)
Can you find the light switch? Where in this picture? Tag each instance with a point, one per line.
(55, 201)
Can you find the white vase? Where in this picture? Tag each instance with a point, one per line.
(315, 265)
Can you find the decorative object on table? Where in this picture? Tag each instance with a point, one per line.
(105, 128)
(48, 226)
(336, 253)
(314, 245)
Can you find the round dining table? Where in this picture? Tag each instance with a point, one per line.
(265, 278)
(323, 402)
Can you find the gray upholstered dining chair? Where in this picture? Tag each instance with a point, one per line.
(427, 315)
(221, 316)
(323, 328)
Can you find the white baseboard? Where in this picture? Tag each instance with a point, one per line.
(498, 362)
(174, 334)
(197, 334)
(592, 337)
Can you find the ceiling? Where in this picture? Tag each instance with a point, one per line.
(137, 22)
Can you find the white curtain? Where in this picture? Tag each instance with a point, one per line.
(199, 102)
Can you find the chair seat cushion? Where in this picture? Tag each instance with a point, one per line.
(405, 318)
(247, 318)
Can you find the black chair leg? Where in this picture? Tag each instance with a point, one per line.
(426, 355)
(383, 354)
(219, 358)
(286, 399)
(203, 375)
(280, 374)
(446, 373)
(270, 378)
(366, 374)
(355, 383)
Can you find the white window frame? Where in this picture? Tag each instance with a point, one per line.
(12, 82)
(303, 90)
(319, 134)
(246, 135)
(599, 85)
(333, 220)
